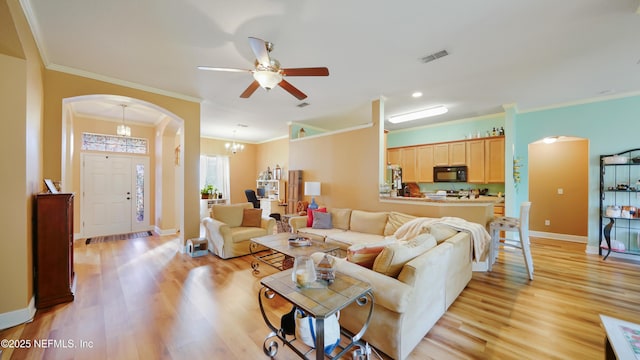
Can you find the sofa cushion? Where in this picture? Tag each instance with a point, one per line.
(340, 218)
(368, 222)
(241, 234)
(322, 220)
(318, 234)
(365, 254)
(393, 257)
(348, 238)
(310, 215)
(395, 220)
(252, 217)
(440, 232)
(229, 214)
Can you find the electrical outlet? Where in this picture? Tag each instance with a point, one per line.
(547, 222)
(560, 191)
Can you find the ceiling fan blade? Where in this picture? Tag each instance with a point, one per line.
(292, 90)
(259, 48)
(313, 71)
(250, 89)
(222, 69)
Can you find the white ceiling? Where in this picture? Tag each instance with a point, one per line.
(531, 53)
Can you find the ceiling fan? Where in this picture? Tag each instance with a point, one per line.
(267, 72)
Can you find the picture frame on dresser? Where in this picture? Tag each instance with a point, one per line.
(50, 186)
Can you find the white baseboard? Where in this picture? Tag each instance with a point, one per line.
(563, 237)
(161, 232)
(480, 266)
(17, 317)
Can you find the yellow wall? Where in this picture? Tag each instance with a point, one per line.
(96, 126)
(21, 101)
(564, 165)
(274, 153)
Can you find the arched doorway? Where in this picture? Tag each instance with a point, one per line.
(162, 131)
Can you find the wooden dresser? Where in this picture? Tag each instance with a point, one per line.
(53, 249)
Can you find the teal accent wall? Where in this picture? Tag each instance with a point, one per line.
(451, 131)
(611, 126)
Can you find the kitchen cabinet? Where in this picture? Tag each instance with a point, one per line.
(475, 161)
(450, 154)
(619, 203)
(394, 156)
(494, 160)
(406, 157)
(425, 163)
(409, 164)
(53, 250)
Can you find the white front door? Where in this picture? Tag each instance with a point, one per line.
(114, 194)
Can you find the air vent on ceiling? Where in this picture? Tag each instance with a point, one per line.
(243, 125)
(302, 104)
(434, 56)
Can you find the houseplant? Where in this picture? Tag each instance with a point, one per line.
(207, 191)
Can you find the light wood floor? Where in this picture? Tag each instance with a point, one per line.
(143, 299)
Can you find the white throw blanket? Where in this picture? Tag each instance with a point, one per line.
(480, 238)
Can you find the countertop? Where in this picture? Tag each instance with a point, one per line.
(449, 200)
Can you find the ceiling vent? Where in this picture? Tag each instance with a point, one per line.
(434, 56)
(303, 104)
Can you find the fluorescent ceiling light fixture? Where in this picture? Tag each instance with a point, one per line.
(421, 114)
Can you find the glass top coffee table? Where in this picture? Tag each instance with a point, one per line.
(280, 254)
(319, 302)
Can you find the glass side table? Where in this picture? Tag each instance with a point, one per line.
(319, 301)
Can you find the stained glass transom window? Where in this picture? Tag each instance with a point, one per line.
(112, 143)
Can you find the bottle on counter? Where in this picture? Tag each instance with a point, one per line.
(501, 131)
(494, 132)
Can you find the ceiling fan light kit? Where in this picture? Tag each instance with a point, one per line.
(420, 114)
(267, 79)
(267, 72)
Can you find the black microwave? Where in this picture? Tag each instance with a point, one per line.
(450, 174)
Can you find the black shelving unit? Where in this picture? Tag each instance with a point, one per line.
(620, 203)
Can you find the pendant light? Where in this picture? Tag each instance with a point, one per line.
(234, 147)
(122, 129)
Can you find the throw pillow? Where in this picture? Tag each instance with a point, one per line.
(440, 232)
(340, 218)
(395, 220)
(365, 254)
(310, 215)
(252, 217)
(393, 257)
(321, 220)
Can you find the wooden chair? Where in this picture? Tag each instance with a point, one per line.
(511, 225)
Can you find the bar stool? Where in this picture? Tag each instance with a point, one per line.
(511, 224)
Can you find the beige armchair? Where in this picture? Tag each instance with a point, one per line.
(226, 235)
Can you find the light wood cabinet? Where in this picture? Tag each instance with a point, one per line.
(394, 157)
(450, 154)
(475, 161)
(407, 159)
(441, 155)
(457, 153)
(494, 160)
(425, 163)
(53, 249)
(409, 164)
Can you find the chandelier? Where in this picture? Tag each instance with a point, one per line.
(122, 129)
(234, 147)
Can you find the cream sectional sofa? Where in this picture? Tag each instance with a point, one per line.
(409, 304)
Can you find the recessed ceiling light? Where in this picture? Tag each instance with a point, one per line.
(420, 114)
(416, 94)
